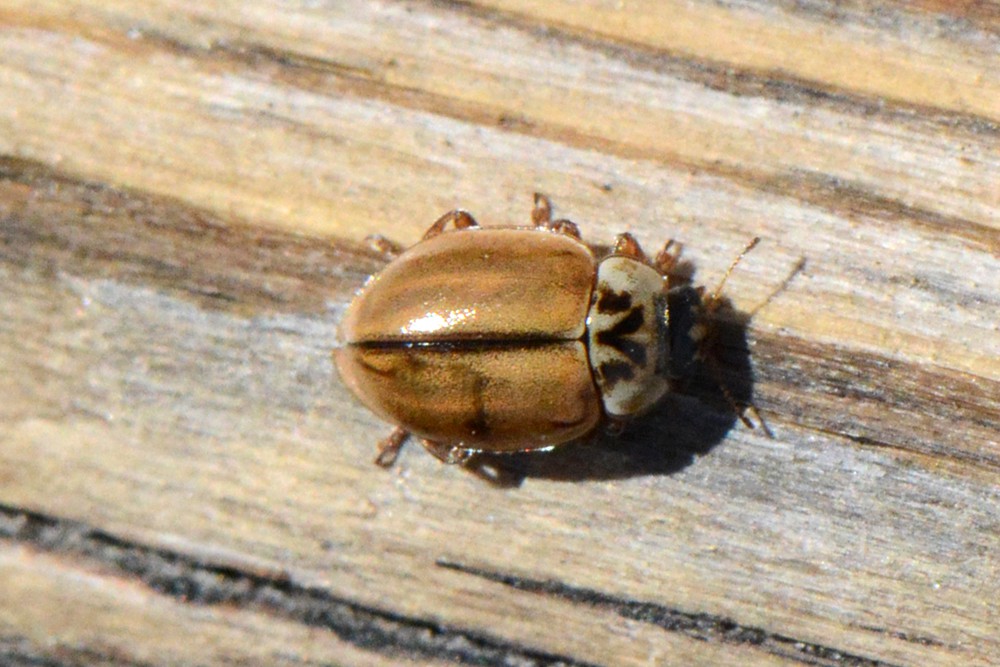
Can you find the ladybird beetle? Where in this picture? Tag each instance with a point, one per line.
(508, 339)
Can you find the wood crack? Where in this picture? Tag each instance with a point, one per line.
(16, 651)
(700, 626)
(58, 222)
(849, 393)
(822, 191)
(197, 582)
(724, 77)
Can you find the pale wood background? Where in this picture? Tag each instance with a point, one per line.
(184, 187)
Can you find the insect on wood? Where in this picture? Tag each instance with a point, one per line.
(509, 339)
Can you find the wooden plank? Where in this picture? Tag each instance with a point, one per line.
(182, 197)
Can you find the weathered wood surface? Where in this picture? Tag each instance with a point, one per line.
(183, 192)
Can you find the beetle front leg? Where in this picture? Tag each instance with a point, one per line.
(668, 258)
(449, 454)
(668, 263)
(388, 449)
(627, 246)
(459, 218)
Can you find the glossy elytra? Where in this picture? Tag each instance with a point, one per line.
(508, 339)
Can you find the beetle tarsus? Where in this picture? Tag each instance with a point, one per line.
(626, 245)
(541, 214)
(389, 448)
(667, 259)
(567, 227)
(387, 248)
(458, 218)
(449, 454)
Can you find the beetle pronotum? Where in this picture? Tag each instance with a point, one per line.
(509, 339)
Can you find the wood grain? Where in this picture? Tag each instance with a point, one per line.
(184, 190)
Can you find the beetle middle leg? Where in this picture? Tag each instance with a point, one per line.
(387, 248)
(388, 449)
(459, 218)
(447, 453)
(541, 216)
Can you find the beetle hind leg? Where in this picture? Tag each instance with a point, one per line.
(459, 218)
(388, 448)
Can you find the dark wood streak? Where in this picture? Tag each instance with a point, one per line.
(199, 582)
(221, 263)
(323, 75)
(950, 18)
(699, 625)
(856, 394)
(20, 651)
(823, 191)
(312, 72)
(725, 77)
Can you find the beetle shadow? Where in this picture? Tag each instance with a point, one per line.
(692, 419)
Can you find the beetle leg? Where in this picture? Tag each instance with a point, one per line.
(386, 248)
(461, 219)
(627, 246)
(388, 449)
(668, 261)
(615, 426)
(541, 214)
(566, 227)
(667, 258)
(447, 453)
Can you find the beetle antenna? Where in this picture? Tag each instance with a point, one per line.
(714, 299)
(704, 333)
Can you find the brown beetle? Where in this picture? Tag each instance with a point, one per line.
(508, 339)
